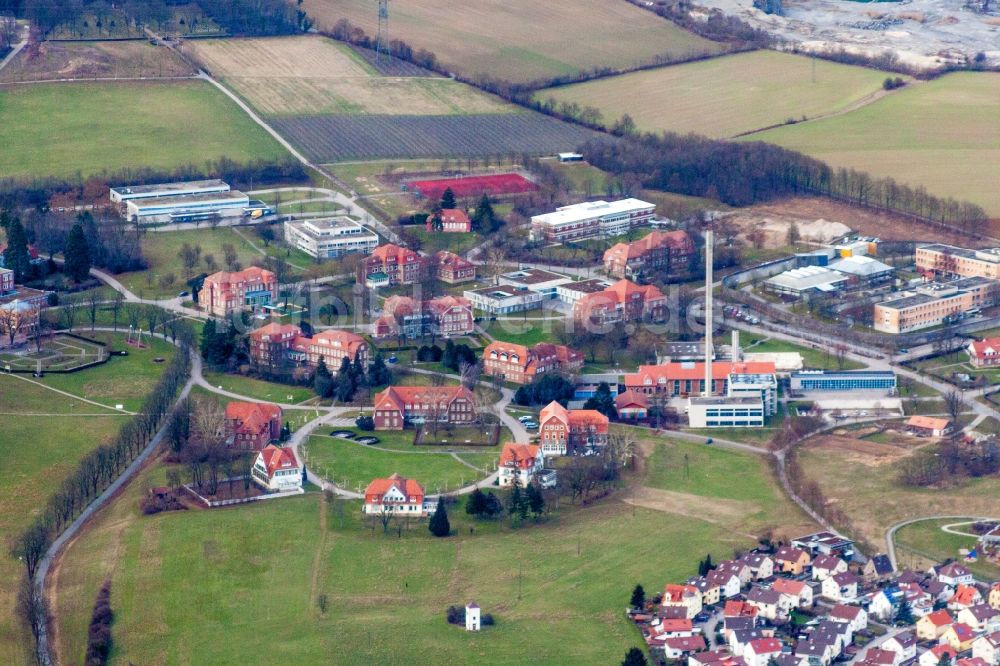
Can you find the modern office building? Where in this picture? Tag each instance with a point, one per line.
(725, 412)
(331, 237)
(191, 208)
(934, 303)
(591, 219)
(807, 279)
(503, 299)
(844, 380)
(946, 261)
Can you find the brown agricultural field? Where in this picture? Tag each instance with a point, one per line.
(315, 75)
(90, 60)
(524, 40)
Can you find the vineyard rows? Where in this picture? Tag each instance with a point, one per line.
(339, 138)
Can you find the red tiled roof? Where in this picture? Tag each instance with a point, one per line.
(251, 274)
(928, 422)
(845, 612)
(686, 643)
(253, 416)
(963, 632)
(939, 618)
(275, 330)
(276, 458)
(656, 239)
(788, 586)
(694, 371)
(985, 347)
(408, 487)
(352, 342)
(736, 608)
(629, 398)
(521, 455)
(394, 253)
(765, 645)
(941, 650)
(399, 396)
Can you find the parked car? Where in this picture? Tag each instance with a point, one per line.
(393, 359)
(524, 419)
(531, 425)
(183, 294)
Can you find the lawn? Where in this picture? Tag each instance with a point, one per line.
(45, 435)
(727, 96)
(935, 134)
(123, 380)
(433, 241)
(925, 543)
(111, 59)
(112, 126)
(316, 75)
(257, 389)
(354, 465)
(525, 331)
(523, 41)
(184, 581)
(161, 249)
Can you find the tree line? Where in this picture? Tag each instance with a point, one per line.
(237, 17)
(93, 474)
(744, 173)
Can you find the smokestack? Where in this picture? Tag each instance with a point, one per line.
(737, 353)
(709, 242)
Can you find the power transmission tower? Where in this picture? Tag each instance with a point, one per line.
(382, 38)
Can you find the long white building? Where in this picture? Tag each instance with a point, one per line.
(131, 192)
(591, 219)
(330, 237)
(189, 208)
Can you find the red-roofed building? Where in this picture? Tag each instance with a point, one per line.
(759, 652)
(621, 302)
(402, 316)
(684, 596)
(631, 405)
(277, 469)
(984, 353)
(565, 431)
(934, 656)
(452, 268)
(398, 406)
(959, 636)
(931, 626)
(929, 426)
(396, 495)
(275, 344)
(390, 265)
(964, 597)
(677, 646)
(800, 593)
(688, 378)
(669, 251)
(877, 657)
(252, 425)
(224, 293)
(519, 463)
(522, 365)
(449, 221)
(738, 608)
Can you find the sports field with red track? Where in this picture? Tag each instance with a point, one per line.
(470, 186)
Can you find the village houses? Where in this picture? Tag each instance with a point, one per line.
(277, 470)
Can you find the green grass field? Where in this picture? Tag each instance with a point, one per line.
(927, 540)
(811, 358)
(258, 389)
(182, 581)
(512, 328)
(723, 97)
(354, 465)
(936, 134)
(521, 40)
(45, 435)
(66, 129)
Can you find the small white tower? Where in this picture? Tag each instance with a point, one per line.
(471, 616)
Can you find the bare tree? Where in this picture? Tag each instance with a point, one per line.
(70, 309)
(496, 260)
(954, 403)
(133, 311)
(469, 373)
(11, 322)
(116, 306)
(93, 300)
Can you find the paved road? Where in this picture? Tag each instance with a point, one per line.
(890, 534)
(17, 48)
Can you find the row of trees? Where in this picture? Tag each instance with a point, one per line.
(239, 17)
(741, 174)
(96, 472)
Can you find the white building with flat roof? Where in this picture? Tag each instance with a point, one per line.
(131, 192)
(808, 278)
(330, 237)
(187, 207)
(504, 299)
(725, 412)
(591, 219)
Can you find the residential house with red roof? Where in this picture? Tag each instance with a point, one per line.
(877, 657)
(964, 597)
(929, 426)
(566, 431)
(251, 426)
(684, 596)
(759, 652)
(679, 646)
(399, 406)
(248, 290)
(667, 251)
(931, 626)
(934, 656)
(959, 636)
(632, 405)
(984, 353)
(800, 594)
(452, 268)
(854, 616)
(520, 464)
(738, 608)
(390, 265)
(522, 365)
(449, 221)
(395, 495)
(624, 301)
(277, 469)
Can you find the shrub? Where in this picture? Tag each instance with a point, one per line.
(456, 615)
(99, 633)
(365, 422)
